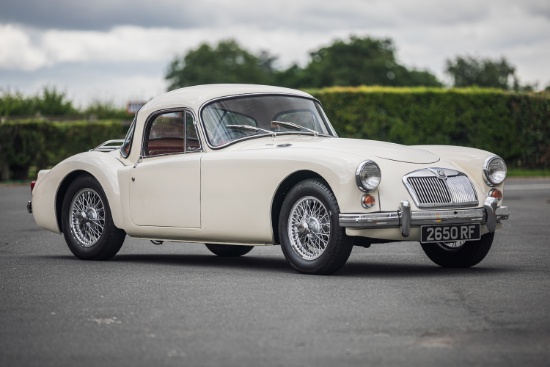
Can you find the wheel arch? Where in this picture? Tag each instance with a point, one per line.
(286, 185)
(107, 185)
(62, 189)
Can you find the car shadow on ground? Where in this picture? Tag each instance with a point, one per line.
(279, 265)
(242, 262)
(399, 270)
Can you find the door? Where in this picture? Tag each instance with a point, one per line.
(165, 188)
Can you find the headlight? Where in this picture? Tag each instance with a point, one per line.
(368, 176)
(494, 170)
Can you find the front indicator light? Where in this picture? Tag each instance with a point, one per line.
(368, 201)
(496, 193)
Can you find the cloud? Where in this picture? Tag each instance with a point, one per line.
(133, 42)
(98, 14)
(298, 14)
(17, 50)
(84, 83)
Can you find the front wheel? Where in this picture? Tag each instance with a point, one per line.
(86, 221)
(309, 231)
(228, 250)
(460, 254)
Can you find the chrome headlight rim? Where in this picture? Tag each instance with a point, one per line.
(365, 186)
(490, 178)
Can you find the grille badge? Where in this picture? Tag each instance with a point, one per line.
(439, 173)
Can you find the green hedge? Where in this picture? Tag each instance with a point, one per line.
(41, 144)
(515, 126)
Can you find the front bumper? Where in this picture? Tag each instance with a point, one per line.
(404, 218)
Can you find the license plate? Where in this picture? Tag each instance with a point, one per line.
(450, 233)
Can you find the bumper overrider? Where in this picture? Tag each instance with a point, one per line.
(489, 215)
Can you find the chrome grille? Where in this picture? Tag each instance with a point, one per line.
(438, 187)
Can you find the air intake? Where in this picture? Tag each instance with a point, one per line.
(440, 187)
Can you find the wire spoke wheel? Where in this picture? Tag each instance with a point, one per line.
(310, 237)
(87, 217)
(309, 228)
(452, 246)
(87, 223)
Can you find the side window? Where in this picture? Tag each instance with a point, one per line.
(171, 133)
(165, 134)
(192, 142)
(127, 145)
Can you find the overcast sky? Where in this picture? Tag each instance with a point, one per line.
(118, 50)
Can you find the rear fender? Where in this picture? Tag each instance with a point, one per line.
(50, 190)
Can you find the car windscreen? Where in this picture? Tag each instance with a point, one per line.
(228, 120)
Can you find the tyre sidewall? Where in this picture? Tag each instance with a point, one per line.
(469, 254)
(103, 248)
(324, 195)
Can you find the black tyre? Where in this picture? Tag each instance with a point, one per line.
(459, 254)
(310, 234)
(228, 250)
(87, 223)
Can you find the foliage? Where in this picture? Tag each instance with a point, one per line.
(42, 144)
(99, 110)
(53, 105)
(359, 61)
(521, 172)
(226, 62)
(514, 125)
(470, 71)
(49, 102)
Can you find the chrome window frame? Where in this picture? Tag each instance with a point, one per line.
(153, 116)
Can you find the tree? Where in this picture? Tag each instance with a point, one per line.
(226, 62)
(361, 61)
(470, 71)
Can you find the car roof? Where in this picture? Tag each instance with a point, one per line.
(196, 96)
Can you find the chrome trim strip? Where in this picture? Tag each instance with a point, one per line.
(109, 145)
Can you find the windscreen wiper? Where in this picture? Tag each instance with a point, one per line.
(294, 126)
(253, 128)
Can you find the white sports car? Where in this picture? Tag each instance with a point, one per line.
(237, 166)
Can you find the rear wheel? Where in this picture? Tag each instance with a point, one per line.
(86, 221)
(311, 237)
(228, 250)
(460, 254)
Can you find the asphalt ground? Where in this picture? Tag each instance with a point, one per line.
(179, 305)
